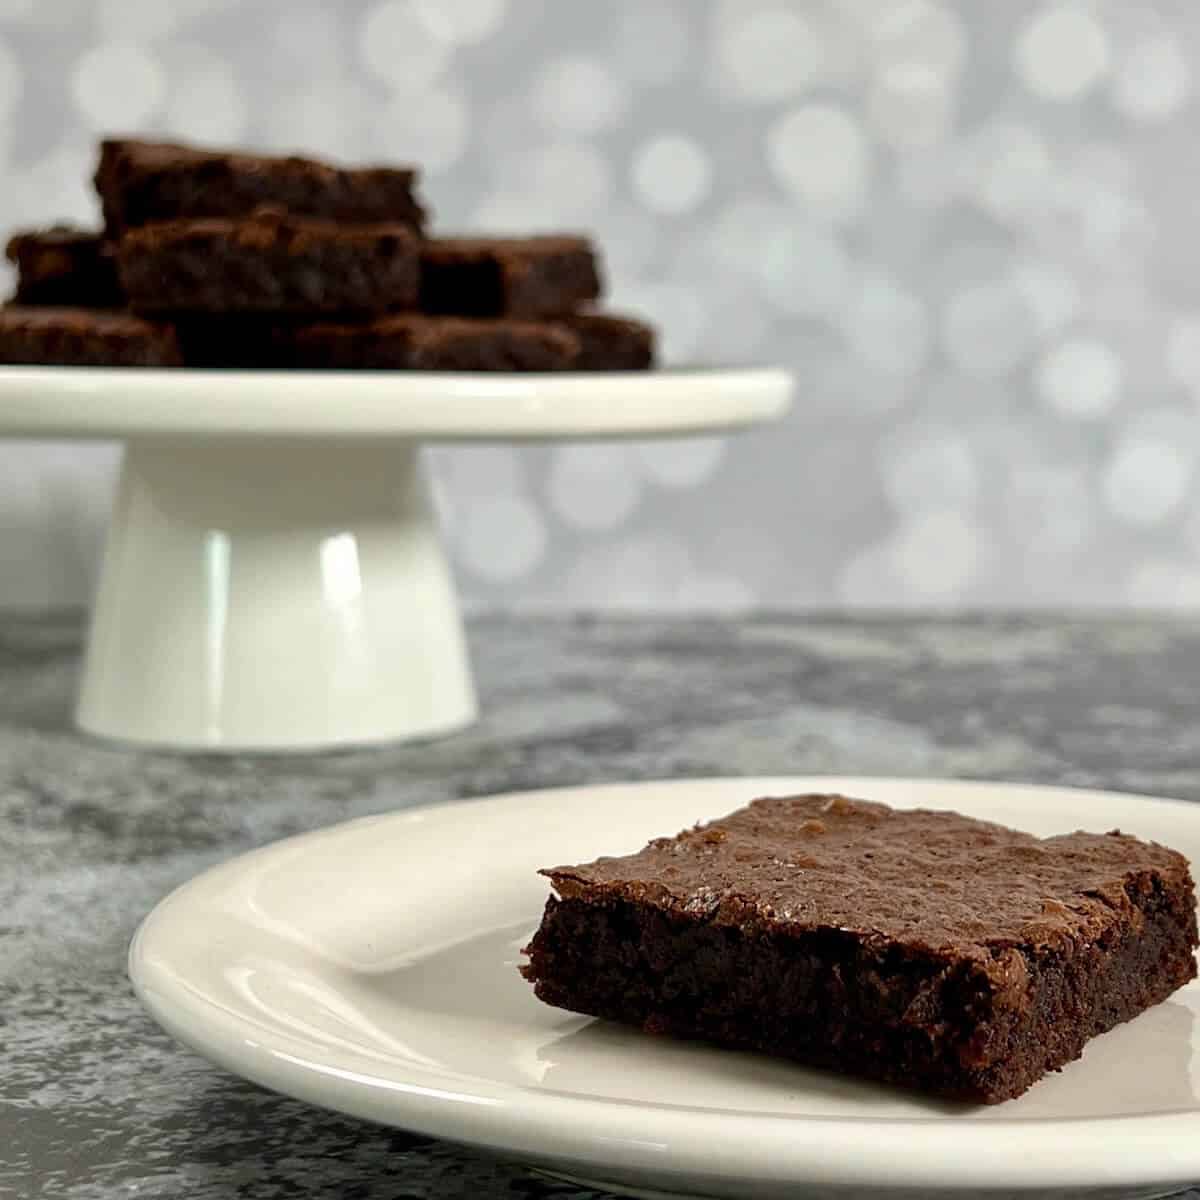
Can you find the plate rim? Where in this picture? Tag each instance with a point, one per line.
(688, 1144)
(108, 402)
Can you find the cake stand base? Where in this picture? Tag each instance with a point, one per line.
(274, 595)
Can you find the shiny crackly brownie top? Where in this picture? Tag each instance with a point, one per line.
(927, 880)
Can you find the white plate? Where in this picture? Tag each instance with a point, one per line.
(115, 402)
(372, 968)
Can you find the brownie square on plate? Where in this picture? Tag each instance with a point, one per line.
(609, 342)
(140, 182)
(408, 341)
(270, 262)
(920, 948)
(65, 266)
(77, 337)
(516, 277)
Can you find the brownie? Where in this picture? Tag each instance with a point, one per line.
(412, 342)
(268, 262)
(516, 277)
(77, 337)
(140, 182)
(65, 266)
(611, 343)
(919, 948)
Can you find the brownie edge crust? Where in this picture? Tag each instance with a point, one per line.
(919, 948)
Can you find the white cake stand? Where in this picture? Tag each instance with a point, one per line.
(274, 578)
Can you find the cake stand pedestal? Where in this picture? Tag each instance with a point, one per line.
(273, 578)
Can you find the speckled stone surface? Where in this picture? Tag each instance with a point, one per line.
(96, 1103)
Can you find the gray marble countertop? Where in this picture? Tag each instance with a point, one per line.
(96, 1103)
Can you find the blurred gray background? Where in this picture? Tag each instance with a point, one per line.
(969, 226)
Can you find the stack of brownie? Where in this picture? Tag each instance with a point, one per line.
(224, 259)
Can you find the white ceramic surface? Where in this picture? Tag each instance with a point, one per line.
(372, 968)
(110, 403)
(273, 578)
(260, 595)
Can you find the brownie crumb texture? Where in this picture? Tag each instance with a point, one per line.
(925, 949)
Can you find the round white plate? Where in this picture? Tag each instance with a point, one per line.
(114, 402)
(372, 968)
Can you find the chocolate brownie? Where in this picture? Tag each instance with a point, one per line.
(65, 266)
(611, 343)
(411, 342)
(77, 337)
(915, 947)
(268, 262)
(516, 277)
(140, 182)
